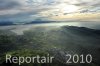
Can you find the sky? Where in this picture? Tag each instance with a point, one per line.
(52, 10)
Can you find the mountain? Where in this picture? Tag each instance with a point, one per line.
(57, 41)
(39, 22)
(6, 23)
(66, 39)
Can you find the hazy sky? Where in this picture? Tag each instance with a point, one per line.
(61, 10)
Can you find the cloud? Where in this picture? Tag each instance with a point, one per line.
(43, 9)
(5, 4)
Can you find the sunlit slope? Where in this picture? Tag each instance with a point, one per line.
(79, 40)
